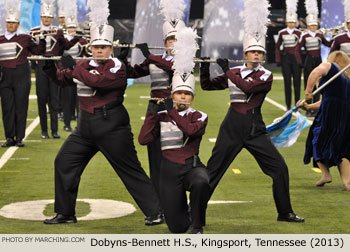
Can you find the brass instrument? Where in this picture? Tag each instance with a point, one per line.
(78, 33)
(43, 33)
(53, 31)
(332, 31)
(57, 58)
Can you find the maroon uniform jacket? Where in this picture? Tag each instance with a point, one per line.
(77, 50)
(289, 42)
(341, 42)
(107, 82)
(312, 46)
(252, 84)
(57, 42)
(23, 45)
(163, 62)
(190, 123)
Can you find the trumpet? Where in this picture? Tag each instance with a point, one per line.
(57, 58)
(78, 33)
(333, 31)
(43, 33)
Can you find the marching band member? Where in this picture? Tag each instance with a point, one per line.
(243, 126)
(103, 125)
(69, 94)
(311, 41)
(46, 90)
(288, 38)
(15, 86)
(342, 41)
(180, 129)
(159, 67)
(61, 4)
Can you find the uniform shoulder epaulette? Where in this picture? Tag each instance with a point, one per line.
(280, 31)
(35, 27)
(341, 34)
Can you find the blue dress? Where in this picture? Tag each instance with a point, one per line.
(328, 140)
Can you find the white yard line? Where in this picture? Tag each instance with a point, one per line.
(10, 151)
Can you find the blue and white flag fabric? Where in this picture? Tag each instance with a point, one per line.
(291, 133)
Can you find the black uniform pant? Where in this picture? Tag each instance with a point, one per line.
(154, 160)
(47, 93)
(310, 64)
(175, 180)
(109, 132)
(14, 92)
(248, 131)
(69, 95)
(291, 68)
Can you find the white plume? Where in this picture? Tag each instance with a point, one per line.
(347, 8)
(311, 7)
(291, 6)
(172, 9)
(61, 3)
(47, 1)
(255, 16)
(99, 11)
(185, 48)
(13, 4)
(71, 9)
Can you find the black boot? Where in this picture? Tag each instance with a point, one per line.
(9, 142)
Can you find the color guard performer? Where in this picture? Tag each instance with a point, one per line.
(243, 126)
(342, 41)
(103, 125)
(180, 129)
(159, 67)
(46, 90)
(16, 82)
(328, 139)
(288, 38)
(311, 41)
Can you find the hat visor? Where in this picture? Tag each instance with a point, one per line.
(172, 33)
(182, 88)
(12, 20)
(312, 23)
(101, 42)
(255, 48)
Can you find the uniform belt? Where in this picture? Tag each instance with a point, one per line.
(254, 111)
(108, 106)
